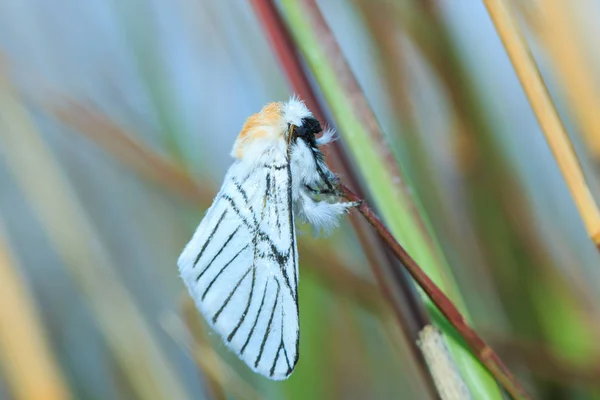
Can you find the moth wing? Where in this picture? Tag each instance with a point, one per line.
(241, 268)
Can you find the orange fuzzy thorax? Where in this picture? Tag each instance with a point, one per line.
(268, 124)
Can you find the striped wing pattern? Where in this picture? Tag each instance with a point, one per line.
(241, 268)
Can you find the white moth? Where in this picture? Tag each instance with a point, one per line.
(241, 265)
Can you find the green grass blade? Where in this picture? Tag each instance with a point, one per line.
(390, 199)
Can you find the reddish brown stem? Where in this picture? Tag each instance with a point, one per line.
(282, 45)
(482, 351)
(394, 285)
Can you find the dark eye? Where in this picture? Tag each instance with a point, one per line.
(309, 126)
(312, 125)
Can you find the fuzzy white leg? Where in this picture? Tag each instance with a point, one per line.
(320, 214)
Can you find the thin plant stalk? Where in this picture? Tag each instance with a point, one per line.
(557, 32)
(483, 352)
(291, 63)
(447, 378)
(524, 64)
(394, 286)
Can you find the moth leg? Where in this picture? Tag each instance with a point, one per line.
(321, 214)
(334, 192)
(353, 204)
(328, 191)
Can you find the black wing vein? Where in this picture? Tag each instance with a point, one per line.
(262, 303)
(268, 331)
(222, 270)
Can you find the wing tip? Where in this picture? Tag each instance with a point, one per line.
(279, 377)
(274, 374)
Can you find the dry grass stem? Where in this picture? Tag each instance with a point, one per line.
(543, 107)
(445, 373)
(555, 27)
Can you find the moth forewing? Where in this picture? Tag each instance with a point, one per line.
(240, 267)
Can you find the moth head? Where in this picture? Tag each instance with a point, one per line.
(301, 123)
(308, 128)
(277, 123)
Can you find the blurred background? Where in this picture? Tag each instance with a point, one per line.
(116, 123)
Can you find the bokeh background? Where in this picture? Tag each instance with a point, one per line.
(116, 122)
